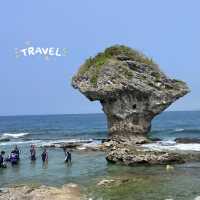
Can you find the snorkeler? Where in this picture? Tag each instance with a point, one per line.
(44, 155)
(33, 153)
(2, 163)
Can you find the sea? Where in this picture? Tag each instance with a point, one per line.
(90, 167)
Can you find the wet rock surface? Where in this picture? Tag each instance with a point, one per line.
(131, 155)
(187, 140)
(132, 91)
(67, 192)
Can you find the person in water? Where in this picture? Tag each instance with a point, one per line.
(16, 152)
(44, 155)
(2, 163)
(33, 153)
(68, 156)
(14, 158)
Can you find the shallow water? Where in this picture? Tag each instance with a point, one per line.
(151, 183)
(84, 166)
(88, 168)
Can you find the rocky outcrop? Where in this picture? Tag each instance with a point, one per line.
(67, 192)
(134, 154)
(131, 89)
(187, 140)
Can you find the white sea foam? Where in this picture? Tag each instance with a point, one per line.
(84, 143)
(179, 129)
(41, 143)
(14, 135)
(67, 141)
(167, 142)
(19, 142)
(172, 147)
(92, 144)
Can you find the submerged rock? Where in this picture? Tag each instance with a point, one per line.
(131, 88)
(113, 182)
(105, 182)
(4, 139)
(187, 140)
(169, 168)
(155, 139)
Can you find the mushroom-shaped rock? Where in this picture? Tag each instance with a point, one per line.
(131, 88)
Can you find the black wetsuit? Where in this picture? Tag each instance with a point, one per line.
(69, 157)
(44, 156)
(2, 164)
(33, 157)
(1, 161)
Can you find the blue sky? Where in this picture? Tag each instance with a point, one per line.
(167, 31)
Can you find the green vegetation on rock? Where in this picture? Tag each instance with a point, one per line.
(130, 53)
(93, 65)
(179, 81)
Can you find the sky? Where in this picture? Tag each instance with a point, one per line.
(167, 31)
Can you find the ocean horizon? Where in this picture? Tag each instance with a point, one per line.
(15, 115)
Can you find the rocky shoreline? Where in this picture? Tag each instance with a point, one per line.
(25, 192)
(125, 152)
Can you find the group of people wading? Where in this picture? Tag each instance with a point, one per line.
(14, 156)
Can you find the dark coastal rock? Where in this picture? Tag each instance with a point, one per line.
(105, 140)
(187, 140)
(131, 89)
(155, 139)
(4, 139)
(4, 190)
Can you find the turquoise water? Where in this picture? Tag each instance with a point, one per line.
(151, 183)
(90, 167)
(85, 165)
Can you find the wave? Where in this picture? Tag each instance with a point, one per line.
(10, 143)
(42, 143)
(43, 135)
(93, 144)
(166, 142)
(189, 130)
(14, 135)
(176, 130)
(66, 141)
(172, 146)
(179, 129)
